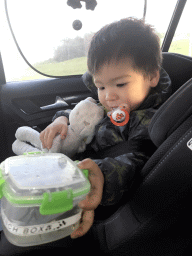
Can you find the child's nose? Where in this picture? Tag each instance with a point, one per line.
(110, 96)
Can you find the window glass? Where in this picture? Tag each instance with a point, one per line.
(45, 33)
(182, 40)
(159, 14)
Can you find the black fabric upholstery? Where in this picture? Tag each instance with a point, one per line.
(171, 114)
(167, 181)
(179, 68)
(164, 147)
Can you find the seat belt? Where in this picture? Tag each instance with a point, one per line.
(146, 146)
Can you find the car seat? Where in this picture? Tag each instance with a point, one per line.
(156, 218)
(179, 68)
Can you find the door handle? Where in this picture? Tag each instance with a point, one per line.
(59, 103)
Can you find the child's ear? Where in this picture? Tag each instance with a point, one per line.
(154, 78)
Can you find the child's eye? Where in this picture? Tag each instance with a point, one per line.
(101, 88)
(121, 85)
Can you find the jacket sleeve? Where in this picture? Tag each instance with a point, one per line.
(119, 173)
(62, 113)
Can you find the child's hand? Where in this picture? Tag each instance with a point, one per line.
(59, 126)
(87, 219)
(96, 179)
(92, 200)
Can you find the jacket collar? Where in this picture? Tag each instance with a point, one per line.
(158, 94)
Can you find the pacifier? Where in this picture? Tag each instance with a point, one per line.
(119, 116)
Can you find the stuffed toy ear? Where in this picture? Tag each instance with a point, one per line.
(20, 147)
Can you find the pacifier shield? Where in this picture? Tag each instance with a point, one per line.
(120, 117)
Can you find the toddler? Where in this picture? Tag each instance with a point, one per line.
(124, 67)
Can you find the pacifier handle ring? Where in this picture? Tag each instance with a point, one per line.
(124, 122)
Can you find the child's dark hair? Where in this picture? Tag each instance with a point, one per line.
(128, 38)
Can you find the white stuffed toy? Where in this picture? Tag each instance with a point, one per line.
(83, 119)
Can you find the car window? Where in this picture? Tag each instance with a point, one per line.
(50, 35)
(182, 40)
(159, 14)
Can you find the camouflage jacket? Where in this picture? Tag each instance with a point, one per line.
(120, 171)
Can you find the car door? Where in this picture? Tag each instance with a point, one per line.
(34, 103)
(33, 100)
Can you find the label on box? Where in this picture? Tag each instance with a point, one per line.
(39, 229)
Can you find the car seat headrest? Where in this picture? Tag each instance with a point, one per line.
(171, 114)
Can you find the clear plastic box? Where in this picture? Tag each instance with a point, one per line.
(40, 194)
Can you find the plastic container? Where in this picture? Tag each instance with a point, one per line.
(40, 194)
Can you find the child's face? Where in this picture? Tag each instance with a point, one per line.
(118, 83)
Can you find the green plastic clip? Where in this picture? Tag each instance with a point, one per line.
(32, 153)
(57, 202)
(2, 181)
(85, 171)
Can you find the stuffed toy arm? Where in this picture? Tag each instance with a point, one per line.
(27, 140)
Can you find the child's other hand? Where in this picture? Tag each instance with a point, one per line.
(59, 126)
(96, 179)
(87, 219)
(92, 200)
